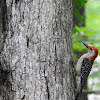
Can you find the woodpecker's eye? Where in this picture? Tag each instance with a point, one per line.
(90, 48)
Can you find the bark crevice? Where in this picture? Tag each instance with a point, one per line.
(47, 88)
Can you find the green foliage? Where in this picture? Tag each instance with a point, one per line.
(78, 15)
(90, 33)
(89, 88)
(95, 74)
(97, 85)
(78, 4)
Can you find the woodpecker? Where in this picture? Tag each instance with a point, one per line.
(84, 66)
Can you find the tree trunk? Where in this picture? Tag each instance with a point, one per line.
(36, 50)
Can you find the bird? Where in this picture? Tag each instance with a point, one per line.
(84, 66)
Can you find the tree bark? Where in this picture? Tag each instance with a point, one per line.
(36, 50)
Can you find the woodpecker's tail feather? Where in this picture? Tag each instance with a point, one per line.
(77, 96)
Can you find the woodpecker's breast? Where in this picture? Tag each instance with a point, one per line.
(79, 63)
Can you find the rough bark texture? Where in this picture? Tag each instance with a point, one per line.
(37, 50)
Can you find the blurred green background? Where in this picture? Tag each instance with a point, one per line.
(90, 34)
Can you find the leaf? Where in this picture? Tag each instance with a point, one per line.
(76, 3)
(78, 15)
(79, 3)
(89, 88)
(83, 2)
(75, 30)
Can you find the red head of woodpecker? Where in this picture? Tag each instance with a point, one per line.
(92, 52)
(84, 66)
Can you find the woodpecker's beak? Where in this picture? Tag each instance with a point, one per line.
(86, 45)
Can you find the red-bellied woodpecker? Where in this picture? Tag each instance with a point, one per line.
(84, 66)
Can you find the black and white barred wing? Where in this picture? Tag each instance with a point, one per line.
(85, 70)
